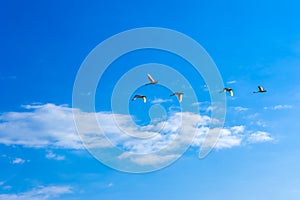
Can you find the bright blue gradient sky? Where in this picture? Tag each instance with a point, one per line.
(43, 45)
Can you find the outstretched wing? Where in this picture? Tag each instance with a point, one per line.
(134, 98)
(145, 99)
(151, 79)
(260, 88)
(231, 92)
(180, 97)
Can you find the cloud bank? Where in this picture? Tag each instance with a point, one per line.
(52, 126)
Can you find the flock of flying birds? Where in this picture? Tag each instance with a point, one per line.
(180, 94)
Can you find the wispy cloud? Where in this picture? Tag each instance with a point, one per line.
(52, 156)
(204, 106)
(149, 159)
(279, 107)
(240, 109)
(253, 116)
(39, 193)
(158, 100)
(18, 161)
(231, 82)
(261, 123)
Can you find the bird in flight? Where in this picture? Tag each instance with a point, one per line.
(228, 90)
(152, 81)
(179, 95)
(140, 97)
(260, 89)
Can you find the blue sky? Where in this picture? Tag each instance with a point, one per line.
(43, 45)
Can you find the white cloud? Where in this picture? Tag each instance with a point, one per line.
(150, 159)
(253, 116)
(203, 103)
(237, 129)
(40, 126)
(260, 136)
(207, 107)
(204, 106)
(52, 156)
(18, 161)
(261, 123)
(52, 126)
(154, 159)
(158, 100)
(39, 193)
(228, 138)
(231, 82)
(279, 107)
(239, 108)
(196, 103)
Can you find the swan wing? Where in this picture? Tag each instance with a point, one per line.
(151, 79)
(180, 97)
